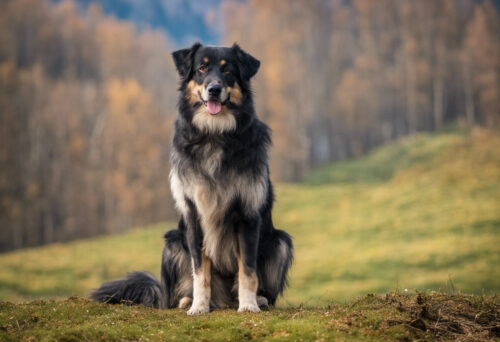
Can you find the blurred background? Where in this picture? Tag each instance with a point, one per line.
(385, 118)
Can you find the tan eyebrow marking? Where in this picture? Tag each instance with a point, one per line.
(222, 62)
(205, 59)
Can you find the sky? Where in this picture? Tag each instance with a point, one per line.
(184, 21)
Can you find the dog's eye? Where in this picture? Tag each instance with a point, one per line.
(203, 69)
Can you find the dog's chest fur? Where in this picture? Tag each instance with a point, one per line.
(213, 188)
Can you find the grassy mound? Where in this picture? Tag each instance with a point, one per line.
(373, 318)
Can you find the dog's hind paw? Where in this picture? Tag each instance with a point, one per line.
(185, 302)
(262, 302)
(249, 308)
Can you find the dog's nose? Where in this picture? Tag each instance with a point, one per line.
(214, 90)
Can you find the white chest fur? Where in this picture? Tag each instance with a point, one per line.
(212, 191)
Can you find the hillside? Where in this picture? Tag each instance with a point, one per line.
(422, 213)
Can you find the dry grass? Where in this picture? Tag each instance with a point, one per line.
(457, 317)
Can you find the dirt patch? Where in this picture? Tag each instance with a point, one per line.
(446, 316)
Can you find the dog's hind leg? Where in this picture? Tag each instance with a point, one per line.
(275, 258)
(185, 302)
(262, 302)
(176, 276)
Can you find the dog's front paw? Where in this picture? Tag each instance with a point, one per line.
(198, 309)
(250, 307)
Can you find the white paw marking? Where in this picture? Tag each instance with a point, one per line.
(198, 309)
(250, 307)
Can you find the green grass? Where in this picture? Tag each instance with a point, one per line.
(371, 318)
(422, 213)
(413, 214)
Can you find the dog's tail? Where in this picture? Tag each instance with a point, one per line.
(135, 288)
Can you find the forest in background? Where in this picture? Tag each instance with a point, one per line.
(340, 77)
(87, 106)
(87, 102)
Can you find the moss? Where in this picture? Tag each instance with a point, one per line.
(369, 318)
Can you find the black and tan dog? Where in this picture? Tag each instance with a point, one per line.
(225, 250)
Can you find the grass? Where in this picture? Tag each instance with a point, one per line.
(413, 214)
(371, 318)
(422, 213)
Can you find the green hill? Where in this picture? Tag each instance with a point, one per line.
(421, 213)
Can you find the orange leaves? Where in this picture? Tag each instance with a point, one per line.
(482, 60)
(338, 78)
(86, 111)
(128, 104)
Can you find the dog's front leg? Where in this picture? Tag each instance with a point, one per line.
(249, 230)
(201, 287)
(200, 263)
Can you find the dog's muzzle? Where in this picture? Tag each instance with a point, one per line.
(213, 104)
(214, 92)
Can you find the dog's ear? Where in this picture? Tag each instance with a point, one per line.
(183, 60)
(247, 64)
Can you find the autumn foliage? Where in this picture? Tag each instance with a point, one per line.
(340, 77)
(87, 106)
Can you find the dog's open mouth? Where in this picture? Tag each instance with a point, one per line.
(214, 107)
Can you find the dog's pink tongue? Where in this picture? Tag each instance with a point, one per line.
(214, 107)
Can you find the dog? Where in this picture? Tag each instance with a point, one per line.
(225, 251)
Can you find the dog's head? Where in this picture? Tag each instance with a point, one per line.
(215, 83)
